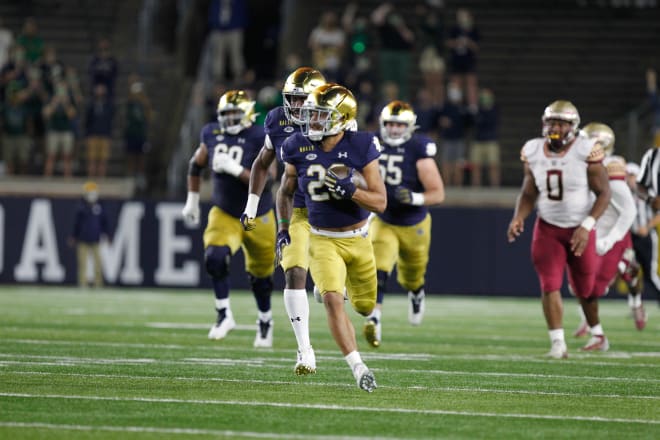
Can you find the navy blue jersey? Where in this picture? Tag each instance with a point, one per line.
(356, 149)
(90, 222)
(398, 166)
(278, 128)
(229, 193)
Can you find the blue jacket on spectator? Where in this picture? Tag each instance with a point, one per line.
(90, 222)
(234, 17)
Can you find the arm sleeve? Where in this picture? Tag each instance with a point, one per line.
(624, 203)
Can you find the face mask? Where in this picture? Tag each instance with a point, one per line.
(454, 95)
(92, 196)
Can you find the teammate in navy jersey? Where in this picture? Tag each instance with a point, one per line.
(230, 146)
(340, 250)
(281, 122)
(402, 234)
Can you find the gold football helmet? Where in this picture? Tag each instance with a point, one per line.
(402, 113)
(562, 111)
(328, 110)
(603, 133)
(235, 111)
(296, 88)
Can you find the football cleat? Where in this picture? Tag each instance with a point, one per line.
(223, 325)
(364, 377)
(582, 330)
(306, 363)
(416, 307)
(371, 331)
(597, 343)
(639, 314)
(558, 349)
(264, 338)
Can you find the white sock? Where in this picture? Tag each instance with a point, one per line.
(353, 358)
(597, 330)
(635, 301)
(581, 313)
(265, 316)
(222, 304)
(555, 334)
(375, 314)
(297, 307)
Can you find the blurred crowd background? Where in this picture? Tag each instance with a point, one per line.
(118, 91)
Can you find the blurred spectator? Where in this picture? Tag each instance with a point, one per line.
(98, 129)
(14, 70)
(15, 140)
(31, 40)
(6, 41)
(368, 112)
(427, 113)
(52, 69)
(485, 149)
(357, 33)
(36, 99)
(227, 21)
(652, 89)
(396, 45)
(75, 91)
(452, 122)
(90, 226)
(137, 116)
(463, 44)
(104, 68)
(58, 114)
(327, 41)
(431, 40)
(268, 98)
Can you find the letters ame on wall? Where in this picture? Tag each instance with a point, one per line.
(150, 246)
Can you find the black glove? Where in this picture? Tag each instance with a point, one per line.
(343, 188)
(403, 195)
(283, 239)
(248, 222)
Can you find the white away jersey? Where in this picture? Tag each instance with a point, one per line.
(561, 179)
(621, 211)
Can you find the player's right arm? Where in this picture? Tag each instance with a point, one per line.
(284, 207)
(524, 205)
(197, 163)
(258, 176)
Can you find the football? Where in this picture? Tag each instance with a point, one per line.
(341, 171)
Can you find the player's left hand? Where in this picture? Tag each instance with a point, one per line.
(343, 188)
(223, 163)
(516, 227)
(403, 195)
(283, 239)
(579, 241)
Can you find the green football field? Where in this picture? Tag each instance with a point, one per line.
(129, 363)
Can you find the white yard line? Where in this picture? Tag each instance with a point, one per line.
(181, 431)
(335, 384)
(10, 359)
(342, 408)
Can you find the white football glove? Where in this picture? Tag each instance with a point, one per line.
(603, 245)
(190, 211)
(223, 163)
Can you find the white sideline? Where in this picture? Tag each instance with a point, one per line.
(184, 431)
(335, 384)
(342, 408)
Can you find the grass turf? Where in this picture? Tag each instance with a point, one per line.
(123, 364)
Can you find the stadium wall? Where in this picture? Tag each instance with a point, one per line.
(150, 246)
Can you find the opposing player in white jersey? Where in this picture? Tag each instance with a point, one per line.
(562, 170)
(613, 227)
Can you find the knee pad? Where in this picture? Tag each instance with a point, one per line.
(217, 259)
(261, 286)
(364, 306)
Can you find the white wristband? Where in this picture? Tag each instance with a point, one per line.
(193, 198)
(417, 199)
(252, 205)
(588, 223)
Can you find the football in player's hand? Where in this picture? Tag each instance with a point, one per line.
(341, 171)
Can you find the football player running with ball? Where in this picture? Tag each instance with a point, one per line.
(282, 122)
(562, 170)
(230, 146)
(341, 253)
(402, 234)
